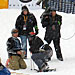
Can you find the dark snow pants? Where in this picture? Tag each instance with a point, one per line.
(56, 43)
(41, 58)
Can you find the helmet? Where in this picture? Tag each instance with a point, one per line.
(46, 47)
(24, 8)
(14, 31)
(53, 9)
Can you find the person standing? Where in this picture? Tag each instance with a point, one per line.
(26, 23)
(52, 22)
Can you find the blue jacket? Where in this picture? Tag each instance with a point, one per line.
(4, 71)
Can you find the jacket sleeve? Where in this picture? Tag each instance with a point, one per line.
(45, 20)
(60, 20)
(10, 46)
(35, 24)
(18, 22)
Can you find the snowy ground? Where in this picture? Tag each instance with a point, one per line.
(67, 67)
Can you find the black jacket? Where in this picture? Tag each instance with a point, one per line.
(36, 44)
(30, 24)
(13, 45)
(48, 21)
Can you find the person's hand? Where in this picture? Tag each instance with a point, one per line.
(41, 50)
(53, 27)
(24, 52)
(19, 52)
(36, 32)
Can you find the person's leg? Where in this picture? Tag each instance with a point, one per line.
(47, 55)
(37, 58)
(57, 48)
(22, 64)
(13, 63)
(41, 58)
(30, 39)
(24, 43)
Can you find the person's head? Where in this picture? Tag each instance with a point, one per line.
(53, 12)
(14, 32)
(25, 10)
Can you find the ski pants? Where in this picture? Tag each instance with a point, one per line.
(24, 42)
(41, 58)
(16, 63)
(56, 43)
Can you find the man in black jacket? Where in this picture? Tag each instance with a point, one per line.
(41, 53)
(52, 22)
(26, 23)
(15, 52)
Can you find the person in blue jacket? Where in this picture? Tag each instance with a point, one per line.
(4, 70)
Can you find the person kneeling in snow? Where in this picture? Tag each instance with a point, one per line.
(4, 70)
(41, 53)
(15, 52)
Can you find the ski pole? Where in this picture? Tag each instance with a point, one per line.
(32, 64)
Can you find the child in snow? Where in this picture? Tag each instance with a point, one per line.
(15, 52)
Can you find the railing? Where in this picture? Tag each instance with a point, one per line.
(67, 6)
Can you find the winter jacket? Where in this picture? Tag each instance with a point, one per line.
(13, 45)
(48, 21)
(36, 44)
(4, 70)
(26, 23)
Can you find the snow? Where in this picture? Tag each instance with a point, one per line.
(67, 67)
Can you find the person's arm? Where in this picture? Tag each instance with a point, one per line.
(59, 21)
(10, 46)
(35, 24)
(18, 22)
(45, 20)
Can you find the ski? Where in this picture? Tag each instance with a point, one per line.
(15, 73)
(48, 70)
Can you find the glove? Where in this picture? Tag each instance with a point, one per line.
(41, 50)
(36, 32)
(23, 54)
(59, 22)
